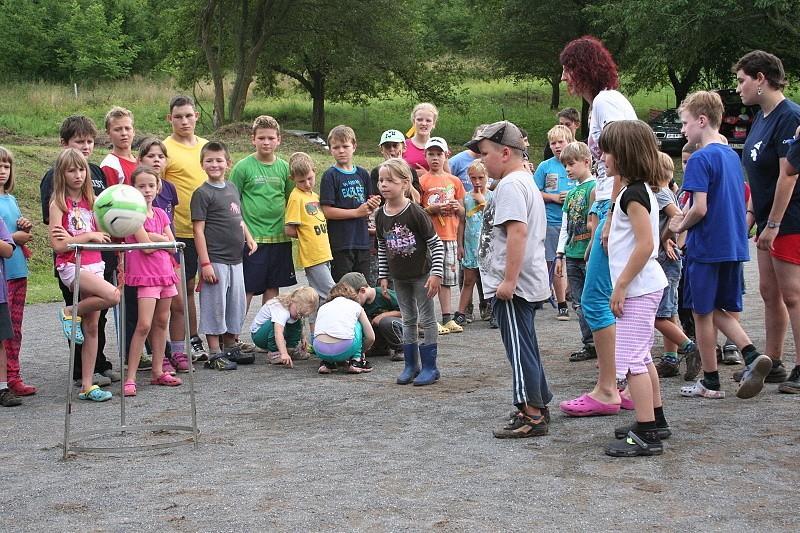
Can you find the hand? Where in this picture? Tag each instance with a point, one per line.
(767, 239)
(208, 274)
(604, 235)
(384, 283)
(252, 246)
(22, 237)
(434, 209)
(286, 360)
(562, 196)
(433, 285)
(23, 224)
(505, 291)
(618, 300)
(676, 223)
(365, 210)
(460, 252)
(478, 197)
(559, 267)
(99, 236)
(669, 249)
(374, 201)
(421, 170)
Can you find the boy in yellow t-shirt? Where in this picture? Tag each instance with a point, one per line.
(306, 222)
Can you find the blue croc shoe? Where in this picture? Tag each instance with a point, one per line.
(95, 394)
(66, 326)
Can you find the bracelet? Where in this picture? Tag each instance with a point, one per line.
(206, 264)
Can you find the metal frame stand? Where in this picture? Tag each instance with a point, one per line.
(71, 440)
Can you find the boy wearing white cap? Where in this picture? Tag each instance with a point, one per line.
(393, 144)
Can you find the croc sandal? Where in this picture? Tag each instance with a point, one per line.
(627, 403)
(585, 405)
(442, 330)
(66, 326)
(633, 445)
(166, 380)
(129, 389)
(94, 394)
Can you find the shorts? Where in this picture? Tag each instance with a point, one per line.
(270, 267)
(159, 292)
(223, 304)
(669, 301)
(600, 208)
(635, 334)
(787, 248)
(342, 350)
(264, 336)
(6, 331)
(551, 243)
(189, 258)
(597, 289)
(450, 277)
(66, 272)
(320, 279)
(345, 261)
(710, 286)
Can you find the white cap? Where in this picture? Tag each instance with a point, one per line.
(437, 142)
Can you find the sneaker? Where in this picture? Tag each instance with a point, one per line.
(453, 327)
(180, 362)
(523, 426)
(778, 374)
(485, 312)
(199, 352)
(396, 355)
(111, 374)
(664, 432)
(731, 355)
(460, 319)
(563, 314)
(753, 377)
(693, 362)
(667, 369)
(245, 347)
(584, 354)
(516, 412)
(636, 444)
(469, 313)
(145, 362)
(235, 356)
(9, 399)
(299, 354)
(492, 322)
(167, 367)
(219, 362)
(359, 366)
(327, 367)
(791, 385)
(698, 390)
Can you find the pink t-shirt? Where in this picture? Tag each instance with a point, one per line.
(415, 156)
(78, 220)
(150, 270)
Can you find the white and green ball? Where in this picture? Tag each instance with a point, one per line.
(120, 210)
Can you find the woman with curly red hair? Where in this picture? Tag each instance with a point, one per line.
(590, 72)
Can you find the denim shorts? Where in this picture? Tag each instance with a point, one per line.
(669, 301)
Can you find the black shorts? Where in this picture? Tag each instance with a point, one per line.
(270, 267)
(6, 332)
(189, 258)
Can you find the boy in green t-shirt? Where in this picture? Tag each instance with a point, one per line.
(264, 185)
(575, 236)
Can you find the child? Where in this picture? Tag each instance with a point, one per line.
(716, 247)
(629, 151)
(263, 182)
(384, 314)
(460, 163)
(569, 117)
(423, 121)
(443, 200)
(151, 272)
(551, 178)
(72, 221)
(347, 201)
(153, 153)
(119, 164)
(7, 396)
(278, 325)
(410, 251)
(16, 271)
(305, 221)
(220, 236)
(343, 332)
(469, 237)
(574, 239)
(392, 144)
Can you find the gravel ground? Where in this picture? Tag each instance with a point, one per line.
(288, 449)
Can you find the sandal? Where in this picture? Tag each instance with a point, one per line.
(166, 380)
(635, 445)
(94, 394)
(129, 389)
(585, 405)
(66, 326)
(584, 354)
(442, 330)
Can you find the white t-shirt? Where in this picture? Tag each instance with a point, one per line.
(607, 106)
(516, 198)
(338, 318)
(621, 242)
(272, 311)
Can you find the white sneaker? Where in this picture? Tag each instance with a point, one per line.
(753, 378)
(698, 390)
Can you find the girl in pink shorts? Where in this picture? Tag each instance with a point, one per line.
(151, 271)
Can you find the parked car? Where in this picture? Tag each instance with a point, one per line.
(666, 126)
(737, 118)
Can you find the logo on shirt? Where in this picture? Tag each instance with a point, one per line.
(235, 208)
(400, 241)
(754, 151)
(353, 188)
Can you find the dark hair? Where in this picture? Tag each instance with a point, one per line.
(769, 65)
(590, 64)
(214, 146)
(571, 114)
(147, 144)
(145, 169)
(634, 148)
(77, 126)
(179, 101)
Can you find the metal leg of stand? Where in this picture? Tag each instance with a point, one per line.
(75, 297)
(122, 347)
(186, 346)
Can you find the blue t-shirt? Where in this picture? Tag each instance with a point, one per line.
(459, 164)
(722, 233)
(16, 265)
(551, 178)
(768, 141)
(4, 236)
(346, 190)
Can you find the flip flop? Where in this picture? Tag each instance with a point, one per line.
(627, 403)
(167, 380)
(585, 405)
(66, 327)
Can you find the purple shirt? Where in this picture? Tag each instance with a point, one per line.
(167, 198)
(5, 236)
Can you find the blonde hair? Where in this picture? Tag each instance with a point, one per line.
(7, 157)
(265, 122)
(477, 166)
(576, 151)
(70, 158)
(341, 134)
(425, 106)
(305, 299)
(344, 290)
(634, 148)
(560, 133)
(666, 167)
(300, 164)
(399, 169)
(707, 103)
(117, 112)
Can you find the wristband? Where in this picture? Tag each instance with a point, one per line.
(772, 224)
(206, 264)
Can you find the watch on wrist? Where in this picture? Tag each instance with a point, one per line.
(771, 224)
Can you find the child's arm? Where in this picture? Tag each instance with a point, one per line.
(642, 231)
(60, 239)
(6, 242)
(668, 238)
(340, 213)
(206, 270)
(366, 327)
(462, 219)
(697, 209)
(436, 249)
(280, 342)
(249, 240)
(516, 236)
(562, 245)
(290, 230)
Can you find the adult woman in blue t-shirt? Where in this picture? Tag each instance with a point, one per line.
(774, 203)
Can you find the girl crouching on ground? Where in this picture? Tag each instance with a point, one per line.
(342, 332)
(278, 326)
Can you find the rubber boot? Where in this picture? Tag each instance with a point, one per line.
(410, 371)
(429, 373)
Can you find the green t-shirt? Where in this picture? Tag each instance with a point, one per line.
(380, 304)
(576, 206)
(264, 189)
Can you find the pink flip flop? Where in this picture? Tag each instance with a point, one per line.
(585, 405)
(627, 403)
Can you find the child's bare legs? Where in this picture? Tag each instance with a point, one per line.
(177, 320)
(89, 350)
(559, 286)
(470, 278)
(190, 285)
(643, 394)
(146, 307)
(213, 344)
(672, 332)
(444, 300)
(96, 294)
(606, 388)
(706, 335)
(158, 334)
(269, 294)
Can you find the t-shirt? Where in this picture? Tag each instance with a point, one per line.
(272, 311)
(381, 304)
(373, 178)
(46, 188)
(16, 266)
(117, 170)
(77, 220)
(608, 106)
(153, 269)
(438, 190)
(219, 207)
(768, 141)
(473, 223)
(459, 166)
(575, 212)
(166, 199)
(664, 197)
(722, 233)
(551, 178)
(515, 199)
(338, 318)
(303, 212)
(415, 156)
(622, 242)
(185, 171)
(346, 190)
(264, 188)
(408, 247)
(6, 237)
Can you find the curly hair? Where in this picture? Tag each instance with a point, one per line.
(590, 65)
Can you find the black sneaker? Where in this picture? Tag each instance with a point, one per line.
(584, 354)
(360, 366)
(731, 355)
(664, 432)
(9, 399)
(492, 322)
(563, 314)
(460, 319)
(667, 368)
(778, 374)
(635, 445)
(523, 426)
(219, 362)
(754, 376)
(791, 385)
(235, 355)
(327, 367)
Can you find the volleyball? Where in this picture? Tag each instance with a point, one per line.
(120, 210)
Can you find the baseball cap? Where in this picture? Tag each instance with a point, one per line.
(392, 136)
(503, 132)
(355, 280)
(436, 142)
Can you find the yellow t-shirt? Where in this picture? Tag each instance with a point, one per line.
(303, 211)
(185, 172)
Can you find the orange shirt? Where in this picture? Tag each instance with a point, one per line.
(438, 190)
